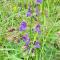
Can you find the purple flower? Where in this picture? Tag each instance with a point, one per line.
(27, 42)
(26, 39)
(23, 26)
(37, 44)
(28, 13)
(37, 28)
(38, 1)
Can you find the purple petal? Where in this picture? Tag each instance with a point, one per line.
(23, 26)
(28, 13)
(37, 28)
(37, 44)
(39, 1)
(26, 39)
(27, 42)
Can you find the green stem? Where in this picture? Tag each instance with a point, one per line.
(37, 55)
(44, 40)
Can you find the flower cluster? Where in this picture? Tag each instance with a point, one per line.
(28, 14)
(26, 38)
(23, 27)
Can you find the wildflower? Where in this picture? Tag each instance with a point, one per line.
(23, 26)
(26, 39)
(27, 42)
(37, 28)
(37, 44)
(38, 1)
(28, 13)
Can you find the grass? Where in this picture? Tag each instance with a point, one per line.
(12, 13)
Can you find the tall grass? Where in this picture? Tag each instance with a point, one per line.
(12, 13)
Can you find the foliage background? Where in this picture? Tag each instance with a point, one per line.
(12, 12)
